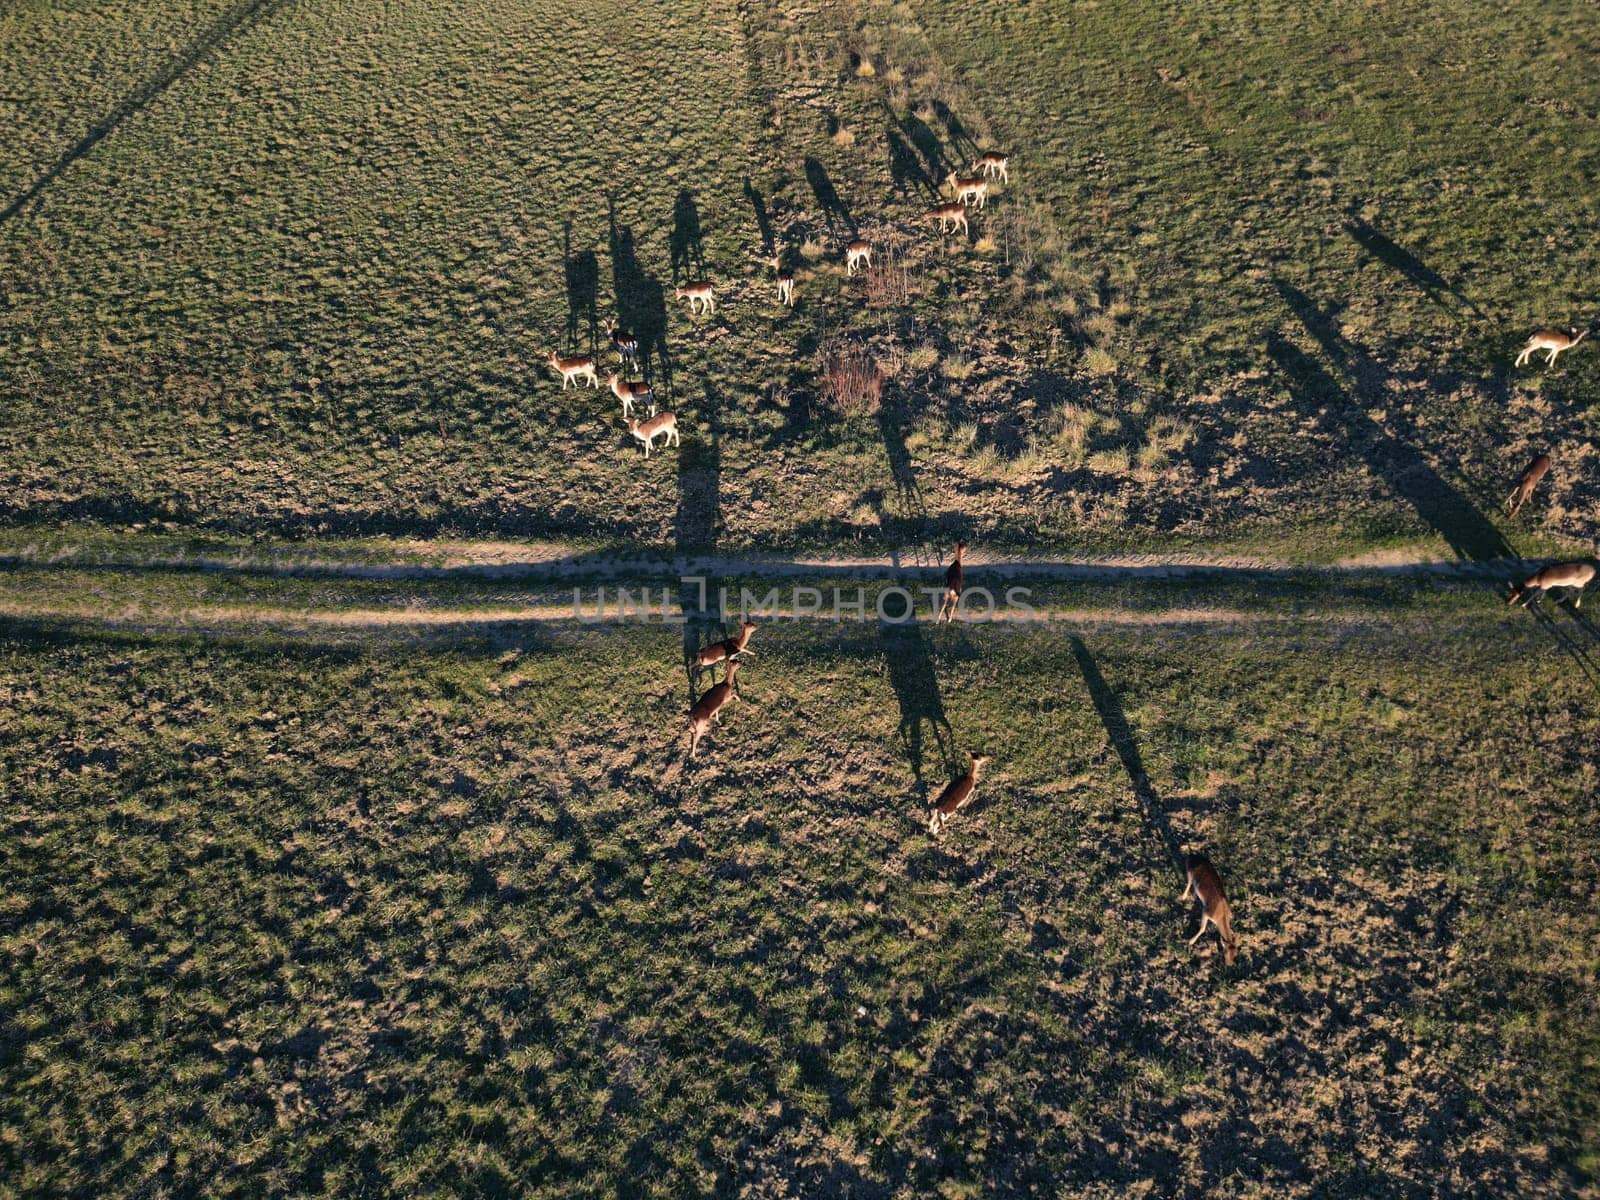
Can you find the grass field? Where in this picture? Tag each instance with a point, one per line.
(284, 269)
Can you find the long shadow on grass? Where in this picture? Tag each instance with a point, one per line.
(583, 291)
(916, 688)
(236, 19)
(908, 522)
(641, 300)
(828, 199)
(687, 243)
(758, 204)
(699, 512)
(1341, 413)
(1127, 748)
(1389, 252)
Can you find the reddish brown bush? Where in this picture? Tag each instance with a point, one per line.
(852, 384)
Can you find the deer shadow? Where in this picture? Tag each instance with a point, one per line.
(758, 205)
(1321, 396)
(582, 272)
(1395, 256)
(916, 688)
(687, 241)
(834, 210)
(641, 301)
(1126, 745)
(695, 527)
(959, 137)
(908, 522)
(234, 20)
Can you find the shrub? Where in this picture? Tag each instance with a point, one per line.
(888, 281)
(852, 384)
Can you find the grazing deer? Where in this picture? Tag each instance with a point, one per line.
(950, 216)
(954, 581)
(625, 344)
(969, 189)
(705, 709)
(1530, 480)
(727, 651)
(1207, 886)
(1552, 340)
(631, 393)
(857, 254)
(1575, 575)
(658, 425)
(700, 295)
(786, 288)
(993, 163)
(957, 796)
(574, 369)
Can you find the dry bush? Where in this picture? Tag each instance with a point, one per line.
(888, 280)
(852, 384)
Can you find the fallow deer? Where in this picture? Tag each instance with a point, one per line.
(705, 709)
(950, 216)
(969, 189)
(658, 425)
(631, 393)
(1552, 340)
(994, 163)
(726, 651)
(1207, 886)
(700, 295)
(857, 254)
(1530, 480)
(625, 344)
(1574, 575)
(574, 369)
(786, 288)
(954, 581)
(957, 796)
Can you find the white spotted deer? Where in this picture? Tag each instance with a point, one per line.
(700, 294)
(957, 796)
(950, 217)
(705, 709)
(1551, 340)
(574, 369)
(1530, 480)
(727, 652)
(969, 189)
(659, 425)
(1207, 886)
(631, 394)
(1574, 575)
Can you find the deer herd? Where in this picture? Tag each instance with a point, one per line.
(970, 193)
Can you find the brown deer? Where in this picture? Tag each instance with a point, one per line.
(950, 216)
(786, 287)
(705, 709)
(625, 344)
(1530, 480)
(574, 369)
(1575, 575)
(631, 393)
(700, 295)
(969, 189)
(957, 796)
(994, 163)
(659, 425)
(726, 651)
(1552, 340)
(857, 254)
(954, 582)
(1207, 885)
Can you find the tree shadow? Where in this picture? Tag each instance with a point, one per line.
(1321, 396)
(758, 204)
(696, 525)
(1395, 256)
(688, 249)
(234, 20)
(583, 291)
(833, 208)
(641, 301)
(916, 687)
(1127, 748)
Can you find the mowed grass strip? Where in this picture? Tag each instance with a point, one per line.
(317, 915)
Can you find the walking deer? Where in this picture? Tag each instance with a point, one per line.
(727, 651)
(957, 796)
(994, 163)
(700, 295)
(786, 288)
(1574, 575)
(1207, 886)
(969, 189)
(950, 216)
(574, 369)
(954, 581)
(857, 254)
(1552, 340)
(658, 425)
(631, 393)
(705, 709)
(625, 344)
(1530, 480)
